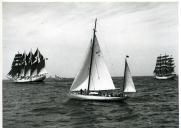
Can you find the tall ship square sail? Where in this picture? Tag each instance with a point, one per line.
(28, 68)
(94, 82)
(164, 68)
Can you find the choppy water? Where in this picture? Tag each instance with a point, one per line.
(46, 105)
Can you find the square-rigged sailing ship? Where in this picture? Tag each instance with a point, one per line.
(164, 68)
(28, 68)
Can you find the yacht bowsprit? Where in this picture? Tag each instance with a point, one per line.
(28, 68)
(94, 82)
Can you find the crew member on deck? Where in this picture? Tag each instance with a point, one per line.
(81, 91)
(85, 91)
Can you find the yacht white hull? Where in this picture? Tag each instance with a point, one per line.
(30, 79)
(96, 97)
(165, 77)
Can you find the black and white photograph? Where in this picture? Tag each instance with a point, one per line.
(90, 65)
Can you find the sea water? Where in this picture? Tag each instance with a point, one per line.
(46, 105)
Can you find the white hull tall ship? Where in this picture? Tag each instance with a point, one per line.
(94, 82)
(28, 68)
(164, 68)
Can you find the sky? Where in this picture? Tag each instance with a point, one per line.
(62, 32)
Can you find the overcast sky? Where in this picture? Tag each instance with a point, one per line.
(62, 32)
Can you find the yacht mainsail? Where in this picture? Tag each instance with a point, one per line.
(94, 74)
(100, 78)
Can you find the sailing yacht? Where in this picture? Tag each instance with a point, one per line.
(94, 82)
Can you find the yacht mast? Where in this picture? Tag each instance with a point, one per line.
(91, 56)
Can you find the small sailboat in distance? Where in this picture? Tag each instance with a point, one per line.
(94, 82)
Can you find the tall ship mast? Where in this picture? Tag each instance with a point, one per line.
(164, 68)
(28, 67)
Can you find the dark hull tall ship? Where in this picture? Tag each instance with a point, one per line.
(164, 68)
(94, 82)
(28, 68)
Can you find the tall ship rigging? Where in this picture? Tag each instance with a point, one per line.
(28, 67)
(94, 82)
(164, 68)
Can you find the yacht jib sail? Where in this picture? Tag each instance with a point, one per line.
(128, 84)
(81, 79)
(28, 67)
(94, 78)
(164, 67)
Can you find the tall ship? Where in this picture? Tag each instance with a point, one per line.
(28, 67)
(164, 68)
(94, 82)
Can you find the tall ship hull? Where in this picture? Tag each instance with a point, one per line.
(32, 79)
(170, 77)
(164, 69)
(28, 68)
